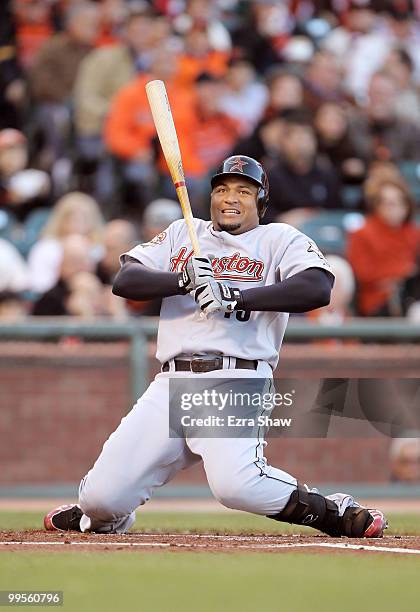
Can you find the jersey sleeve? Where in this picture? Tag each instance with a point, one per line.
(156, 253)
(301, 253)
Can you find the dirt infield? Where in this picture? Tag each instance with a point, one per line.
(37, 540)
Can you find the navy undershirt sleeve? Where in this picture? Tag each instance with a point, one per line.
(301, 292)
(304, 291)
(138, 282)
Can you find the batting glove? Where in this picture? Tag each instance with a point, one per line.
(218, 297)
(197, 271)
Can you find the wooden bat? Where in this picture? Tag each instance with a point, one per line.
(165, 127)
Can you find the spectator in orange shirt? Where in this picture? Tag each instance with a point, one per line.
(130, 133)
(199, 57)
(101, 75)
(383, 252)
(112, 15)
(206, 135)
(33, 27)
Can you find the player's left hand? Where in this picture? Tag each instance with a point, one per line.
(218, 297)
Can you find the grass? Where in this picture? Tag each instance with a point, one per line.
(206, 522)
(208, 581)
(234, 581)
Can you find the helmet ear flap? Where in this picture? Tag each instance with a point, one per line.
(262, 203)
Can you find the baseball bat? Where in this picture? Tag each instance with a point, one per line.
(165, 127)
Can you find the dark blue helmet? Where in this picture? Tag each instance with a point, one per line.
(241, 165)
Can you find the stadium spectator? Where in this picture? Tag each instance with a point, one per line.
(198, 57)
(285, 92)
(297, 53)
(400, 66)
(334, 142)
(22, 189)
(73, 214)
(88, 298)
(111, 16)
(376, 131)
(78, 291)
(262, 33)
(75, 259)
(129, 131)
(340, 307)
(365, 54)
(119, 236)
(265, 142)
(356, 20)
(204, 15)
(322, 81)
(34, 26)
(405, 460)
(298, 181)
(12, 89)
(206, 136)
(101, 74)
(353, 44)
(53, 74)
(383, 253)
(157, 216)
(104, 71)
(401, 29)
(14, 281)
(244, 98)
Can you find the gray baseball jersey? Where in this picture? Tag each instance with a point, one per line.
(259, 257)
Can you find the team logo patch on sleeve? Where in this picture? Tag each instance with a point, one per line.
(312, 248)
(156, 240)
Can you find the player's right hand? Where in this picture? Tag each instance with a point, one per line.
(218, 297)
(198, 271)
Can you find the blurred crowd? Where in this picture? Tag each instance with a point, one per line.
(325, 94)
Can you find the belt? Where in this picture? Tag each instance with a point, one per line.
(205, 363)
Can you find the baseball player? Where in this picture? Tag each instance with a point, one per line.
(222, 317)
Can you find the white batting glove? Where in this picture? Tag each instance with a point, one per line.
(197, 271)
(217, 297)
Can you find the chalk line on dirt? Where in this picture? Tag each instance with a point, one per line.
(261, 546)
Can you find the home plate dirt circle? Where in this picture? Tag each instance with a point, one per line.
(30, 540)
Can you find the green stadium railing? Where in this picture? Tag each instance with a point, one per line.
(139, 331)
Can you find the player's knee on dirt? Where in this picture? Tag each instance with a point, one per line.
(315, 510)
(102, 505)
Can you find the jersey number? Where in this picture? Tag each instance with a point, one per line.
(241, 315)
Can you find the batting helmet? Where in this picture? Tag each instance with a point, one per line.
(241, 165)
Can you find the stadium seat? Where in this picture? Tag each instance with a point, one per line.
(351, 196)
(410, 171)
(329, 229)
(24, 235)
(7, 223)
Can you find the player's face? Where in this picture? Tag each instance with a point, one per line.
(234, 205)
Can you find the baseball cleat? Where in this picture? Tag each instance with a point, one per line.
(376, 523)
(64, 518)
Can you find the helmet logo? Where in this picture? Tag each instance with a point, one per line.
(237, 164)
